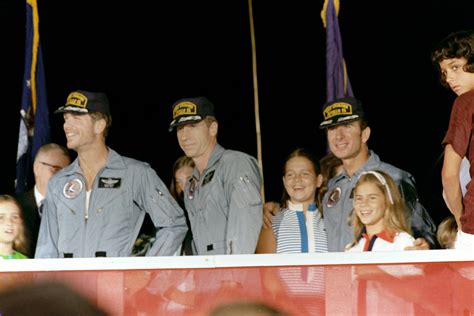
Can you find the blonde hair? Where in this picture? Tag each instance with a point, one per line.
(21, 242)
(395, 213)
(446, 233)
(52, 147)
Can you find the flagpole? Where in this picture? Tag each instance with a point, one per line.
(35, 44)
(255, 93)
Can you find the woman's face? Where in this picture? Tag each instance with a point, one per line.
(181, 177)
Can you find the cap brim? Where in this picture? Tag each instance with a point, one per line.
(185, 120)
(68, 108)
(339, 121)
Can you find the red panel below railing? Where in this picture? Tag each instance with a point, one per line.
(435, 282)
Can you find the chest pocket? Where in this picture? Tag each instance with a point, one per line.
(246, 193)
(107, 200)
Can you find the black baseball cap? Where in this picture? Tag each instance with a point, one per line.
(191, 110)
(341, 111)
(85, 102)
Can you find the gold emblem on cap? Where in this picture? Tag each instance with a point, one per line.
(337, 109)
(77, 99)
(184, 108)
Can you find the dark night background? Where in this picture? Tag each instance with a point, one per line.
(147, 54)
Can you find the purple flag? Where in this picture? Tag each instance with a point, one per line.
(337, 80)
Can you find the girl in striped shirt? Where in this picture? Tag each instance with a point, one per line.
(298, 227)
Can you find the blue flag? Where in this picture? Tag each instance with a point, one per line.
(34, 123)
(337, 80)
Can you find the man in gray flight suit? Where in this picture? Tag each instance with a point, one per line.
(348, 132)
(222, 197)
(95, 207)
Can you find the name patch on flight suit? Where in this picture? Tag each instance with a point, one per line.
(208, 178)
(110, 183)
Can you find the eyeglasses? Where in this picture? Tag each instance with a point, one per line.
(54, 167)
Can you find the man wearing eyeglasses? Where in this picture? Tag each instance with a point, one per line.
(49, 159)
(222, 197)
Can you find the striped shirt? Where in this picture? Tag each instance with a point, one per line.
(296, 234)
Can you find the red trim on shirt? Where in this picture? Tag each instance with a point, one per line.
(385, 235)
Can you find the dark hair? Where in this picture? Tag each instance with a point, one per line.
(459, 44)
(329, 165)
(249, 308)
(46, 298)
(299, 152)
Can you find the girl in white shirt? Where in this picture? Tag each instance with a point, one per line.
(379, 215)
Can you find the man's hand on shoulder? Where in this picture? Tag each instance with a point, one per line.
(270, 209)
(419, 244)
